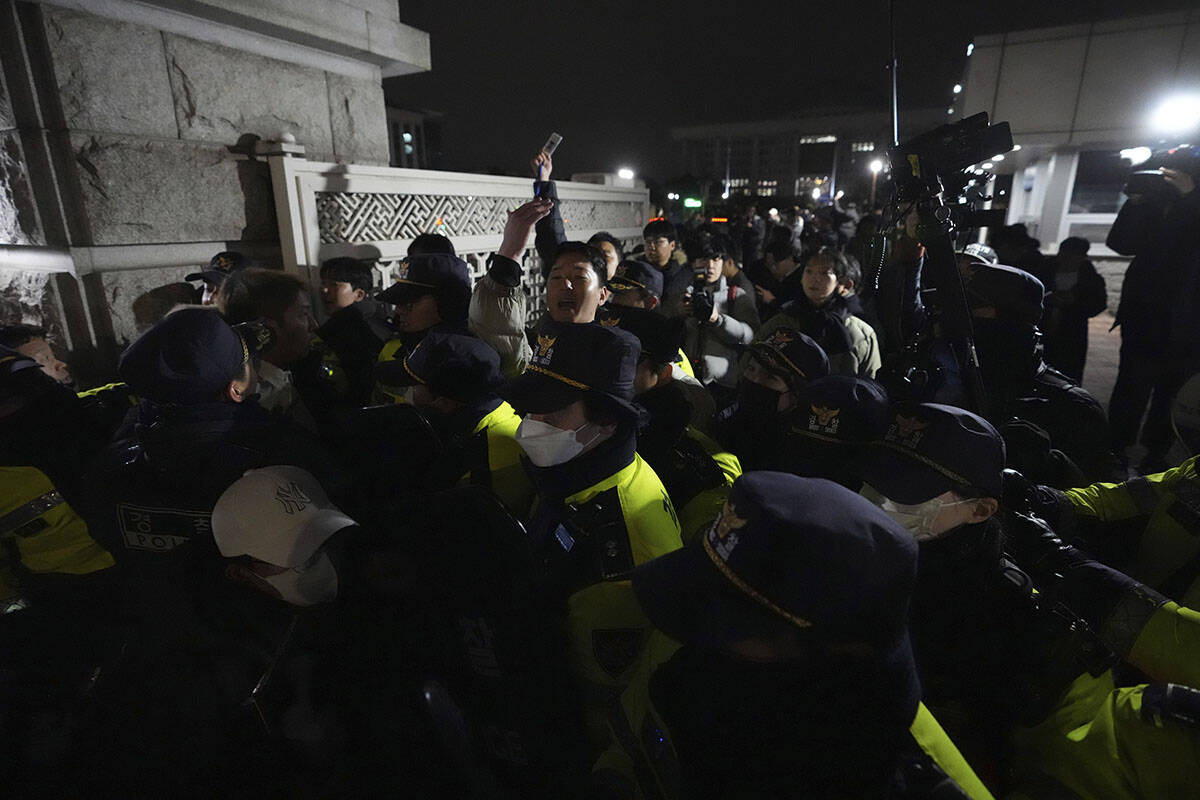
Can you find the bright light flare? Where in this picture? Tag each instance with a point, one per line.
(876, 166)
(1137, 155)
(625, 174)
(1177, 114)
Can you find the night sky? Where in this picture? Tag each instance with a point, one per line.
(614, 76)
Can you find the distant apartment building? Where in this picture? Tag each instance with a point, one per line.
(828, 150)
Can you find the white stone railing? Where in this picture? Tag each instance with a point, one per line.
(327, 210)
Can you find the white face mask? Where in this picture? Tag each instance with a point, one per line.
(548, 446)
(308, 584)
(917, 519)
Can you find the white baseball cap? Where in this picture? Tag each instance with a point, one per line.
(279, 515)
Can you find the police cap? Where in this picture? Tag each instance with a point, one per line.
(791, 354)
(842, 409)
(786, 551)
(187, 358)
(573, 361)
(930, 449)
(220, 267)
(634, 275)
(661, 337)
(445, 276)
(452, 365)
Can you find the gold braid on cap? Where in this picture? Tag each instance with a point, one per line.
(408, 369)
(750, 591)
(557, 377)
(926, 460)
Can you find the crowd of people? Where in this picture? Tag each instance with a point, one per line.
(719, 521)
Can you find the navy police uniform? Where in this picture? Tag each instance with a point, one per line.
(478, 434)
(600, 513)
(788, 559)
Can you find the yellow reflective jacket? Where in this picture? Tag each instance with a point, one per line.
(606, 626)
(41, 532)
(640, 761)
(699, 511)
(1170, 502)
(388, 394)
(506, 475)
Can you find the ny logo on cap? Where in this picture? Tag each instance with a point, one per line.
(907, 431)
(224, 263)
(723, 534)
(824, 419)
(545, 350)
(292, 498)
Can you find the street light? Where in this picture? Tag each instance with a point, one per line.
(625, 174)
(876, 167)
(1177, 114)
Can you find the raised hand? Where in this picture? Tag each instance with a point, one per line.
(520, 223)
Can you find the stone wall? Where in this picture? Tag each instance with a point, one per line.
(151, 136)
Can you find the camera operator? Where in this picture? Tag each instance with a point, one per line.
(1160, 300)
(722, 321)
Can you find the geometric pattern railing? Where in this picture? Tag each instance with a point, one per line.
(350, 217)
(326, 210)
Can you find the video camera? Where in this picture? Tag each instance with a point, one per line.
(934, 176)
(938, 163)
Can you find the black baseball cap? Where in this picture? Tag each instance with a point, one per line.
(930, 449)
(660, 337)
(1013, 293)
(220, 267)
(441, 274)
(634, 275)
(786, 551)
(791, 353)
(452, 365)
(573, 361)
(187, 358)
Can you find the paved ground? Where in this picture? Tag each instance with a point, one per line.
(1100, 372)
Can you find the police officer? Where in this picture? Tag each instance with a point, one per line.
(196, 429)
(776, 368)
(795, 676)
(356, 326)
(997, 658)
(453, 380)
(1146, 527)
(45, 443)
(600, 510)
(1006, 305)
(636, 284)
(59, 591)
(433, 291)
(696, 471)
(220, 267)
(833, 420)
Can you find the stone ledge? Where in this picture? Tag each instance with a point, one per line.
(137, 191)
(213, 103)
(339, 28)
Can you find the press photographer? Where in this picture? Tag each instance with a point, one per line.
(1160, 300)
